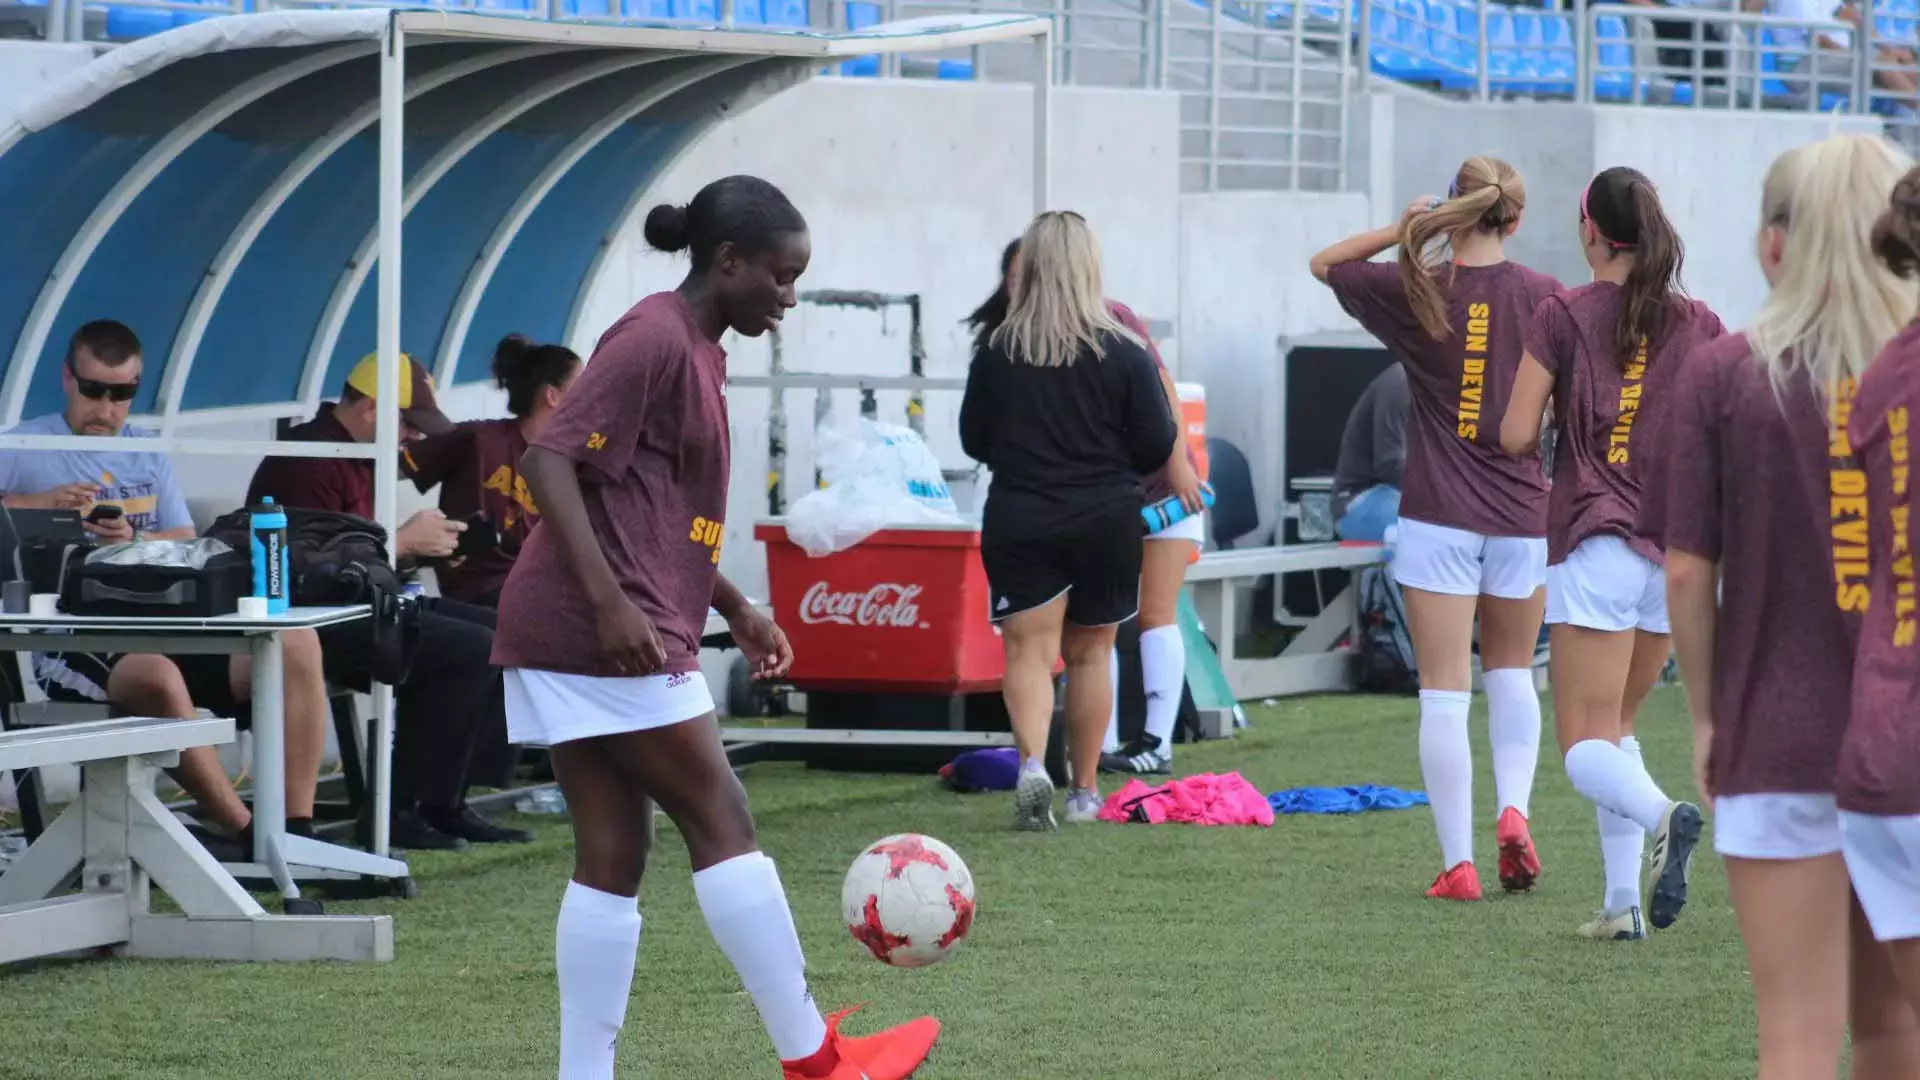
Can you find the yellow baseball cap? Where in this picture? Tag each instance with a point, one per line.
(417, 401)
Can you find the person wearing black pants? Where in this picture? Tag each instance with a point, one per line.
(436, 739)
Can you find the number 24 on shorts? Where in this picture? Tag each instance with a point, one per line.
(708, 533)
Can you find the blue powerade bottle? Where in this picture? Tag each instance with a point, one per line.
(1170, 511)
(268, 541)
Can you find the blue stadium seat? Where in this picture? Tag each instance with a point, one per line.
(515, 7)
(786, 13)
(1453, 30)
(860, 15)
(1558, 64)
(648, 10)
(1503, 49)
(1780, 88)
(1416, 41)
(1278, 13)
(1524, 75)
(1386, 49)
(125, 23)
(705, 11)
(586, 9)
(957, 70)
(1616, 84)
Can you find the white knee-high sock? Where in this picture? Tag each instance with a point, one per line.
(1112, 743)
(1163, 670)
(1446, 765)
(1621, 842)
(1610, 778)
(1513, 725)
(746, 910)
(594, 946)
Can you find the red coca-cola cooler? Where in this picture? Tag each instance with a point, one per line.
(903, 611)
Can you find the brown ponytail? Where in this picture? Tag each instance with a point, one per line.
(1624, 209)
(1896, 235)
(1488, 196)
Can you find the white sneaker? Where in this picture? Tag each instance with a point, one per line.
(1033, 803)
(1083, 806)
(1616, 926)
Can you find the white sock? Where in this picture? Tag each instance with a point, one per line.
(1620, 847)
(1610, 778)
(1513, 725)
(1631, 744)
(1112, 744)
(594, 946)
(1163, 671)
(746, 910)
(1446, 765)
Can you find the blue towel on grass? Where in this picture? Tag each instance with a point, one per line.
(1344, 800)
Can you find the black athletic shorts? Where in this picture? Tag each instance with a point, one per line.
(82, 678)
(1097, 566)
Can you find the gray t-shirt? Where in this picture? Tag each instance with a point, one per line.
(143, 485)
(1373, 447)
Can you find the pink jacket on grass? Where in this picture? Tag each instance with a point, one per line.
(1207, 799)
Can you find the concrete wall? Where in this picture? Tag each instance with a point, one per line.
(1707, 164)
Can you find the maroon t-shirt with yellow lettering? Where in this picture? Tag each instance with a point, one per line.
(1456, 473)
(1880, 758)
(477, 468)
(1610, 416)
(647, 424)
(1762, 485)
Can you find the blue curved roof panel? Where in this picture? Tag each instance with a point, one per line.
(214, 186)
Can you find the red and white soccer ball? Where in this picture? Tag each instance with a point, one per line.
(909, 900)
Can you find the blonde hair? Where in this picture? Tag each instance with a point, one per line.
(1060, 306)
(1835, 305)
(1487, 195)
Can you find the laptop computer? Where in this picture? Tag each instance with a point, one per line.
(53, 526)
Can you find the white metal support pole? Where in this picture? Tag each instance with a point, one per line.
(1043, 121)
(386, 439)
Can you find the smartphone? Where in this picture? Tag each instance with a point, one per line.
(480, 537)
(104, 512)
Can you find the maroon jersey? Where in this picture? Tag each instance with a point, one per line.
(1155, 484)
(1456, 473)
(1609, 414)
(477, 467)
(1765, 484)
(1880, 759)
(646, 423)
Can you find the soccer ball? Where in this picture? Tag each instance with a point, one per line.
(909, 900)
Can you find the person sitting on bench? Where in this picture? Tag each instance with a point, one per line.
(448, 714)
(1373, 455)
(101, 376)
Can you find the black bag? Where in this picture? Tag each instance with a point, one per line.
(1383, 659)
(332, 558)
(158, 590)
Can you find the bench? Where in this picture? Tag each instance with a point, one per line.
(1317, 659)
(118, 835)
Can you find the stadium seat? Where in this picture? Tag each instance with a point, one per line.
(860, 15)
(1524, 69)
(1781, 89)
(1503, 49)
(786, 13)
(1613, 75)
(646, 10)
(586, 9)
(1558, 64)
(127, 23)
(1453, 30)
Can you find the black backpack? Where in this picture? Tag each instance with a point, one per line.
(332, 558)
(1383, 657)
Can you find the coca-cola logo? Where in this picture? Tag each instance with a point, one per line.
(885, 604)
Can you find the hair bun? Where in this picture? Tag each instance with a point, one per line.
(666, 228)
(509, 357)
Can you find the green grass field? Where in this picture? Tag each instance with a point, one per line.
(1157, 952)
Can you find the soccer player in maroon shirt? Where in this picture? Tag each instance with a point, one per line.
(1605, 353)
(599, 635)
(1473, 518)
(1764, 518)
(476, 466)
(1878, 790)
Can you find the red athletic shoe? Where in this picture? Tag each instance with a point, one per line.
(1519, 864)
(1461, 882)
(892, 1054)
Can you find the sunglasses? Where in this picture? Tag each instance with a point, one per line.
(95, 390)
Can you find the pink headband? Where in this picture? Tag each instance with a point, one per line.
(1584, 216)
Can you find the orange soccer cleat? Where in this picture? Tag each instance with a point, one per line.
(1459, 882)
(1519, 863)
(892, 1054)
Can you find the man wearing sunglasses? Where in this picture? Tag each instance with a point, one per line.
(101, 378)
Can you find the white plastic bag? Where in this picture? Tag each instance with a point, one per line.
(876, 476)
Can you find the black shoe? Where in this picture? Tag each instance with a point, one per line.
(467, 823)
(1143, 756)
(409, 830)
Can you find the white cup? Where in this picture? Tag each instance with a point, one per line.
(252, 607)
(45, 603)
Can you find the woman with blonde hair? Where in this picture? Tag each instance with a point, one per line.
(1064, 405)
(1878, 786)
(1473, 518)
(1764, 518)
(1605, 353)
